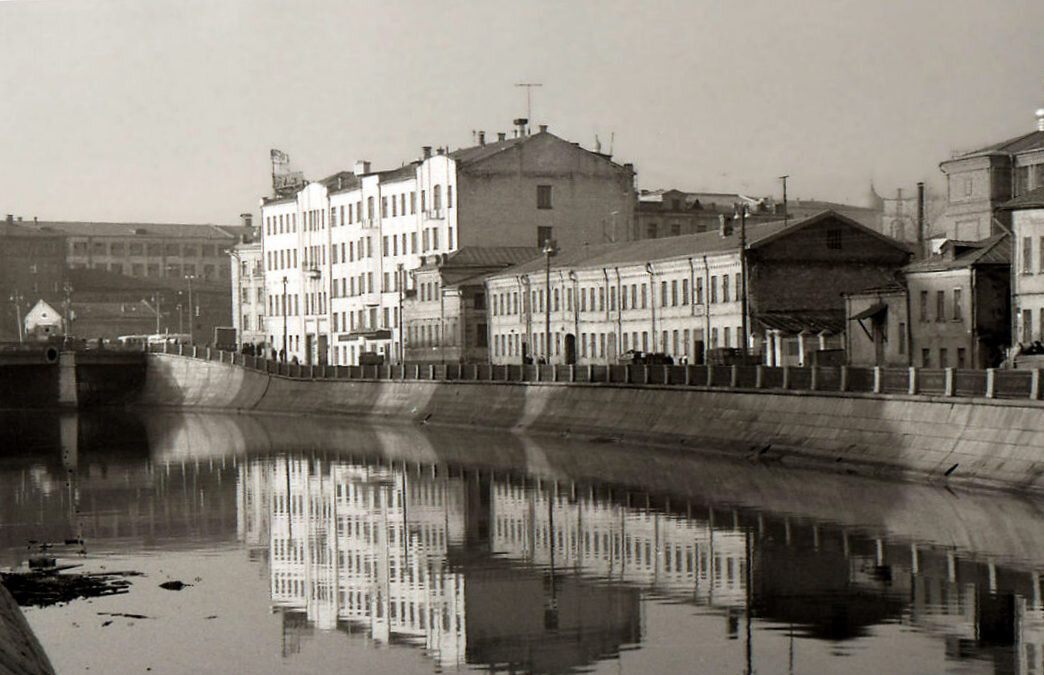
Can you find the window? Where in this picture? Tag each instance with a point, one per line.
(957, 313)
(1027, 255)
(650, 230)
(924, 305)
(1027, 325)
(713, 289)
(902, 338)
(543, 196)
(436, 197)
(961, 357)
(644, 300)
(675, 228)
(943, 358)
(663, 294)
(940, 305)
(926, 358)
(543, 236)
(833, 238)
(685, 293)
(724, 287)
(699, 292)
(384, 207)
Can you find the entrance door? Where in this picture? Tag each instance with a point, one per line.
(570, 348)
(323, 349)
(309, 341)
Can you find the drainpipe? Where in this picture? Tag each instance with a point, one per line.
(973, 318)
(706, 305)
(652, 303)
(619, 311)
(608, 312)
(692, 288)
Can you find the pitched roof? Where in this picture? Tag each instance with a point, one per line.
(1034, 199)
(163, 230)
(995, 250)
(670, 248)
(1031, 141)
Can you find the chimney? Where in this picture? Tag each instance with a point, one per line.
(440, 151)
(920, 219)
(724, 225)
(362, 167)
(543, 128)
(35, 220)
(10, 217)
(520, 126)
(482, 138)
(501, 136)
(1040, 119)
(247, 219)
(427, 151)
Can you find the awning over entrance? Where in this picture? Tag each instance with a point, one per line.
(871, 311)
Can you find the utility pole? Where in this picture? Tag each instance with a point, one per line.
(785, 215)
(742, 215)
(16, 298)
(529, 89)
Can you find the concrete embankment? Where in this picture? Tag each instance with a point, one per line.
(20, 652)
(968, 441)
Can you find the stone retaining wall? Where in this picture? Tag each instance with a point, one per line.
(977, 441)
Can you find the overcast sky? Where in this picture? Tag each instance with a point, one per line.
(165, 110)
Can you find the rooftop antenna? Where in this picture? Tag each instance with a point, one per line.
(529, 90)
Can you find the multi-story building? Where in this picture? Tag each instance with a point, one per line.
(959, 302)
(338, 250)
(772, 288)
(445, 318)
(248, 293)
(670, 213)
(978, 182)
(1027, 219)
(877, 328)
(32, 268)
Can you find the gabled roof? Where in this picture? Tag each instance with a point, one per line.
(995, 250)
(1034, 199)
(671, 248)
(1031, 141)
(478, 153)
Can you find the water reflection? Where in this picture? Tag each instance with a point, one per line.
(509, 553)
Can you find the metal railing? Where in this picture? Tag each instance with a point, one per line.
(937, 382)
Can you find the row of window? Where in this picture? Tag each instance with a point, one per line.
(673, 293)
(1027, 256)
(683, 343)
(944, 358)
(288, 305)
(347, 252)
(956, 312)
(119, 248)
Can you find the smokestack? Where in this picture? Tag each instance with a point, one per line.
(427, 151)
(247, 219)
(482, 138)
(362, 167)
(920, 219)
(543, 128)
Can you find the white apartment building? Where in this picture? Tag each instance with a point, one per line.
(248, 294)
(337, 254)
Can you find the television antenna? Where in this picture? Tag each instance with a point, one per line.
(529, 91)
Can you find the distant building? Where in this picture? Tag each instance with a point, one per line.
(248, 292)
(959, 304)
(32, 268)
(687, 295)
(337, 251)
(980, 181)
(44, 321)
(445, 317)
(671, 213)
(1027, 219)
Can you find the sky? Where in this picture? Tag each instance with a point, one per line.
(165, 110)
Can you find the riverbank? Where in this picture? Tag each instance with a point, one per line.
(970, 441)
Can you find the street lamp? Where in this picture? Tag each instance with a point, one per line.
(284, 318)
(549, 250)
(17, 299)
(192, 332)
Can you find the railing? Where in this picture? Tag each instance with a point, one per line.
(938, 382)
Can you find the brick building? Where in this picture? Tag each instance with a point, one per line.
(337, 251)
(779, 295)
(32, 268)
(980, 181)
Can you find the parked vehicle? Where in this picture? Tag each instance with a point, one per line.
(636, 357)
(371, 359)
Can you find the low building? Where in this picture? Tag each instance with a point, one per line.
(671, 213)
(1027, 219)
(774, 289)
(445, 317)
(960, 304)
(877, 331)
(43, 322)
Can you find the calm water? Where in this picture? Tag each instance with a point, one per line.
(326, 546)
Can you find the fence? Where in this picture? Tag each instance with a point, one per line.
(990, 383)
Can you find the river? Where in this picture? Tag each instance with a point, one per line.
(313, 545)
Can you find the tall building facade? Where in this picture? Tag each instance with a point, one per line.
(338, 251)
(32, 268)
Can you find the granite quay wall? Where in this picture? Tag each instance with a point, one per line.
(960, 439)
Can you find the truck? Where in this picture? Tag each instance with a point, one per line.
(225, 338)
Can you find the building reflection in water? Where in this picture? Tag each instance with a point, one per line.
(510, 571)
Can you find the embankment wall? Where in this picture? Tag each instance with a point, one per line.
(968, 441)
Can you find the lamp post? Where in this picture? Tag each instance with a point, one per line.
(549, 250)
(192, 327)
(16, 299)
(400, 279)
(284, 318)
(741, 214)
(67, 291)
